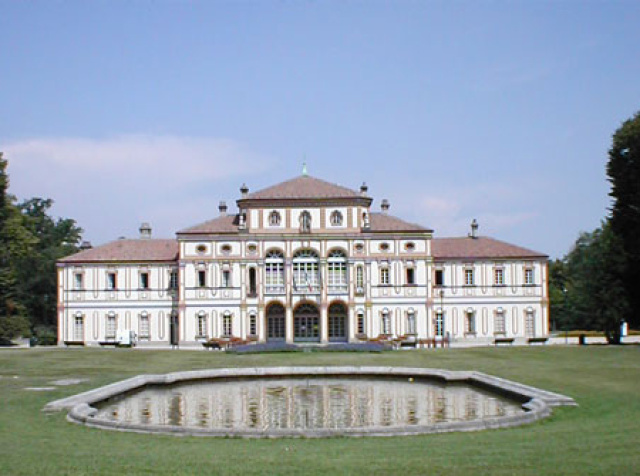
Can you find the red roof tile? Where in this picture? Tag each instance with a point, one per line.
(303, 187)
(481, 247)
(222, 224)
(128, 250)
(381, 222)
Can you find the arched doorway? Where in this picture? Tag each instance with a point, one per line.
(306, 323)
(337, 322)
(275, 322)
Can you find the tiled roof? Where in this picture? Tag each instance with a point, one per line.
(384, 222)
(128, 250)
(222, 224)
(303, 187)
(481, 247)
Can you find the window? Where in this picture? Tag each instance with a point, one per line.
(498, 277)
(78, 328)
(337, 268)
(411, 276)
(384, 276)
(530, 323)
(274, 218)
(202, 324)
(253, 287)
(201, 249)
(252, 249)
(439, 277)
(306, 276)
(336, 218)
(470, 322)
(173, 280)
(144, 280)
(384, 247)
(439, 324)
(226, 278)
(410, 246)
(359, 247)
(386, 322)
(202, 278)
(274, 272)
(78, 281)
(112, 282)
(411, 321)
(143, 326)
(528, 276)
(359, 279)
(360, 322)
(468, 277)
(111, 326)
(227, 324)
(225, 249)
(253, 324)
(305, 222)
(499, 325)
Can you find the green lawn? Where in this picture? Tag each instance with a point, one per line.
(600, 436)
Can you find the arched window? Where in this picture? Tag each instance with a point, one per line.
(359, 279)
(305, 222)
(274, 218)
(112, 325)
(530, 323)
(470, 322)
(78, 327)
(202, 324)
(499, 326)
(411, 322)
(336, 218)
(227, 324)
(274, 272)
(386, 322)
(306, 273)
(337, 267)
(143, 326)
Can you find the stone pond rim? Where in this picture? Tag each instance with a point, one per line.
(537, 402)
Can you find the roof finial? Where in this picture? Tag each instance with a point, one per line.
(304, 168)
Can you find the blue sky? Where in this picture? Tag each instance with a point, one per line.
(124, 112)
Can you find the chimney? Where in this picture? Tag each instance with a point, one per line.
(474, 229)
(364, 189)
(145, 231)
(385, 205)
(85, 245)
(222, 207)
(244, 190)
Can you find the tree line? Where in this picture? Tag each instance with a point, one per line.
(31, 241)
(596, 286)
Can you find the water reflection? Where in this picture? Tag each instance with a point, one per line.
(306, 404)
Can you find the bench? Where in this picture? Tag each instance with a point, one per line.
(537, 340)
(70, 343)
(107, 343)
(503, 340)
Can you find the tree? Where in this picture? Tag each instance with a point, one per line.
(37, 270)
(596, 296)
(15, 243)
(559, 308)
(623, 170)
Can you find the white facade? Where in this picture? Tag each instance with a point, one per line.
(303, 261)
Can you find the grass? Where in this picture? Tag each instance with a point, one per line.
(599, 437)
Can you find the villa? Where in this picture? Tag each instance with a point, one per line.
(303, 261)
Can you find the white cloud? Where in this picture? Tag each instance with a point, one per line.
(110, 185)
